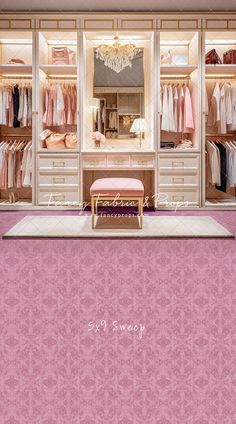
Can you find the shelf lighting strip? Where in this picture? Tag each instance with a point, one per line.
(14, 76)
(222, 76)
(15, 41)
(220, 42)
(175, 77)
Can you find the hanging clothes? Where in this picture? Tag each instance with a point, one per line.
(188, 112)
(15, 105)
(214, 111)
(206, 103)
(232, 127)
(223, 167)
(165, 110)
(176, 98)
(214, 162)
(181, 109)
(112, 120)
(60, 104)
(176, 109)
(15, 164)
(222, 112)
(222, 164)
(171, 109)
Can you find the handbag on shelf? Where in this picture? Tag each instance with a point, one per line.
(71, 140)
(166, 58)
(212, 58)
(56, 141)
(60, 56)
(63, 56)
(72, 60)
(229, 57)
(16, 61)
(44, 134)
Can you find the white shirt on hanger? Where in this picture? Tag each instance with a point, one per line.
(214, 163)
(176, 98)
(165, 110)
(171, 109)
(222, 123)
(233, 99)
(181, 106)
(214, 112)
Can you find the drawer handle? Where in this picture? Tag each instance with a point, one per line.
(58, 180)
(177, 180)
(178, 198)
(59, 164)
(58, 197)
(119, 162)
(178, 164)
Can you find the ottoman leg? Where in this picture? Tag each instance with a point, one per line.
(141, 212)
(92, 208)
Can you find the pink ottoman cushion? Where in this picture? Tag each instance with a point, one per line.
(115, 186)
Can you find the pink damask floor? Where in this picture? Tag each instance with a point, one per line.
(182, 370)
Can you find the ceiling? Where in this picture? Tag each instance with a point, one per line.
(118, 5)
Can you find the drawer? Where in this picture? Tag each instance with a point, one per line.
(177, 179)
(58, 162)
(181, 197)
(98, 161)
(118, 161)
(142, 161)
(178, 162)
(60, 197)
(55, 179)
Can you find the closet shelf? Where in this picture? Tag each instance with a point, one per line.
(129, 113)
(60, 70)
(65, 151)
(220, 69)
(177, 69)
(174, 150)
(16, 70)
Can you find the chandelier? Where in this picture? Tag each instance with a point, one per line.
(117, 55)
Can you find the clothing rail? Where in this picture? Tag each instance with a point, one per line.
(216, 77)
(221, 135)
(174, 77)
(16, 77)
(61, 77)
(15, 135)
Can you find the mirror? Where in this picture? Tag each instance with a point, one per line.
(120, 97)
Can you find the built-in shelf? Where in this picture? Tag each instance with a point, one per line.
(60, 70)
(175, 150)
(129, 113)
(66, 151)
(177, 69)
(18, 70)
(220, 69)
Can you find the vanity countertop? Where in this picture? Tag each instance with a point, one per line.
(117, 150)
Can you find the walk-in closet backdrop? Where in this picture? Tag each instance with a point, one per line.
(67, 119)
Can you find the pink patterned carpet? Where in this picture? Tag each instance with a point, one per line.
(182, 370)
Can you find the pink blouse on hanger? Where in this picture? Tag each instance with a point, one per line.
(74, 105)
(69, 119)
(188, 112)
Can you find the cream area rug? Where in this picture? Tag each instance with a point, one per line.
(114, 227)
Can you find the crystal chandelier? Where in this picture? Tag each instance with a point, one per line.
(117, 56)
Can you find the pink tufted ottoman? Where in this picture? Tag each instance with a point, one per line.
(120, 191)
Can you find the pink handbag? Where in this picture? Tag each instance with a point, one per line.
(56, 141)
(16, 61)
(166, 58)
(60, 56)
(71, 140)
